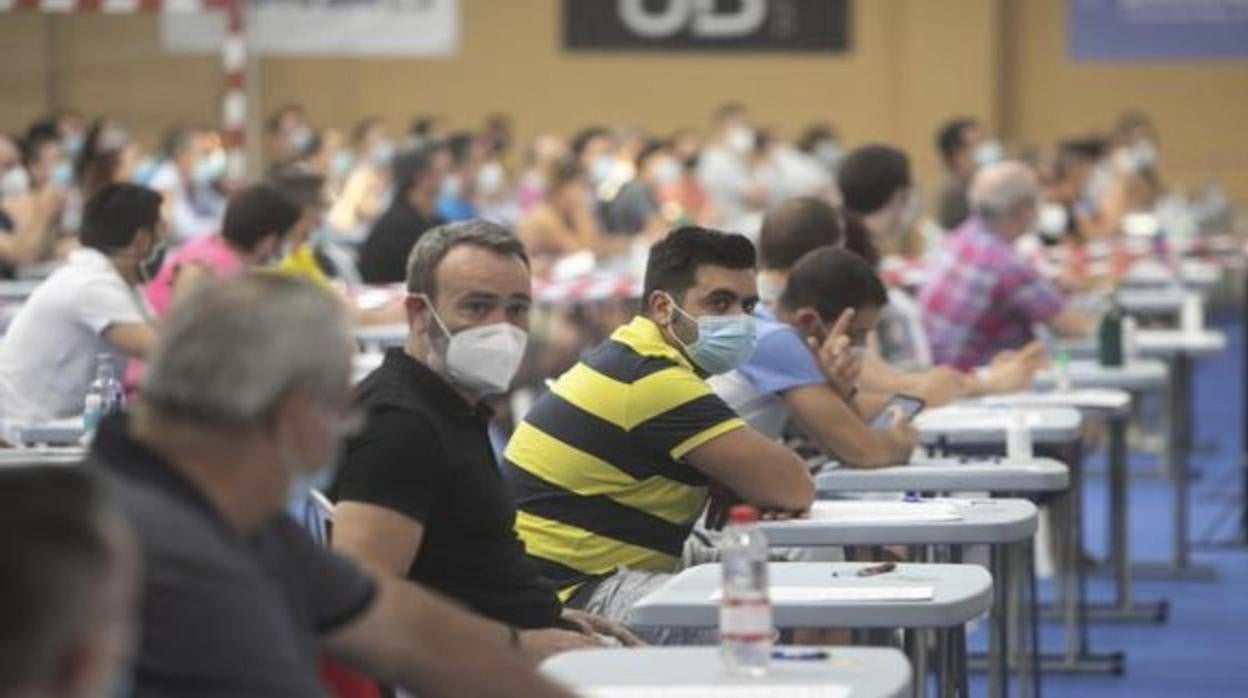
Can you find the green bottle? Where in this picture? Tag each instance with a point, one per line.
(1109, 334)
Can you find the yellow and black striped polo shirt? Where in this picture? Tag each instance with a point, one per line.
(596, 464)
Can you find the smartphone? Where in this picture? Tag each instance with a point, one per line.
(908, 404)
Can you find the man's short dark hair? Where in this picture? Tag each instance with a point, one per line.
(360, 131)
(115, 214)
(870, 175)
(302, 185)
(255, 213)
(796, 227)
(408, 166)
(651, 148)
(434, 244)
(1090, 149)
(176, 140)
(55, 552)
(36, 139)
(950, 137)
(830, 280)
(674, 260)
(273, 123)
(583, 138)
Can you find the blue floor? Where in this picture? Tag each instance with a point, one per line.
(1203, 649)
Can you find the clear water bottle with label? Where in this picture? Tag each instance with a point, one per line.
(745, 628)
(104, 397)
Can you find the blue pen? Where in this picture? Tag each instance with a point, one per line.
(912, 496)
(799, 655)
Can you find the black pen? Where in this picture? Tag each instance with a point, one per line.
(873, 570)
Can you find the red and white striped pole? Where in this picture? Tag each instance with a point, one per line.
(233, 54)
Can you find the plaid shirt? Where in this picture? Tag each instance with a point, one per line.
(981, 297)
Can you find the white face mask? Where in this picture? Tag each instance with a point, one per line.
(666, 172)
(490, 178)
(741, 139)
(988, 153)
(484, 359)
(1053, 220)
(15, 182)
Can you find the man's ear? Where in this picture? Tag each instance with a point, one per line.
(660, 307)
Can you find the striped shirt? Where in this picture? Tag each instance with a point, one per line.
(596, 465)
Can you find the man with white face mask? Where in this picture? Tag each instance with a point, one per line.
(612, 467)
(964, 147)
(420, 495)
(247, 398)
(725, 171)
(635, 210)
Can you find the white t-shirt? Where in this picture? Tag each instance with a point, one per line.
(48, 356)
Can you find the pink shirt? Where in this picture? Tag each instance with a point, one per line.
(211, 251)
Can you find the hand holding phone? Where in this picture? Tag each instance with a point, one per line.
(907, 405)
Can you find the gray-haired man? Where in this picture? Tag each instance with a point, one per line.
(246, 399)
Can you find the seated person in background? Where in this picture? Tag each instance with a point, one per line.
(29, 229)
(185, 173)
(964, 147)
(420, 494)
(803, 366)
(90, 306)
(417, 180)
(981, 296)
(238, 600)
(611, 467)
(881, 204)
(71, 575)
(564, 222)
(362, 197)
(256, 222)
(635, 210)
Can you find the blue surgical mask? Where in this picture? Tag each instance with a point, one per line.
(724, 341)
(210, 168)
(340, 165)
(988, 153)
(62, 174)
(72, 143)
(381, 154)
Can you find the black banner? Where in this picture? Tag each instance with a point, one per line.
(706, 25)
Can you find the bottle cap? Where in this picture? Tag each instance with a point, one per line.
(742, 514)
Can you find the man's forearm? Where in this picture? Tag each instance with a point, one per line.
(424, 643)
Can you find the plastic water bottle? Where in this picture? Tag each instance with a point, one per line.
(1062, 370)
(1018, 446)
(1109, 334)
(745, 628)
(105, 396)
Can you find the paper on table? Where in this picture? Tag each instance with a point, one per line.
(833, 593)
(776, 690)
(1085, 397)
(870, 511)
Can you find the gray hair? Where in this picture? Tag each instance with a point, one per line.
(999, 188)
(231, 350)
(435, 243)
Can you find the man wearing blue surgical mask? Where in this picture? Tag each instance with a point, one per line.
(612, 466)
(964, 147)
(811, 341)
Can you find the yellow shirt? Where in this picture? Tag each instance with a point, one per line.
(301, 262)
(597, 465)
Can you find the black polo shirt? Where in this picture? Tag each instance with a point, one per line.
(223, 614)
(426, 454)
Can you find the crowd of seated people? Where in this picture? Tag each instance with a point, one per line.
(471, 538)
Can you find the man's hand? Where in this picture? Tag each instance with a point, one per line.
(591, 624)
(1012, 371)
(543, 643)
(942, 385)
(841, 369)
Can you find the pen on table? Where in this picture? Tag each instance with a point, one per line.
(873, 570)
(799, 655)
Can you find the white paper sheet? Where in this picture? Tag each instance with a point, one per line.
(873, 511)
(841, 593)
(753, 691)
